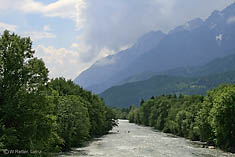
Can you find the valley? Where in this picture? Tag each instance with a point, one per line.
(143, 142)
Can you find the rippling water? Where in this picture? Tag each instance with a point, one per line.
(130, 140)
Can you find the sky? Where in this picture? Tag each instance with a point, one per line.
(71, 35)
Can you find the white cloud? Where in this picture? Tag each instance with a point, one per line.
(68, 63)
(46, 28)
(74, 45)
(10, 4)
(231, 20)
(104, 52)
(107, 25)
(60, 62)
(39, 35)
(113, 24)
(61, 8)
(4, 26)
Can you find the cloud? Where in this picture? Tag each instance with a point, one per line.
(231, 20)
(10, 4)
(61, 8)
(74, 45)
(60, 62)
(39, 35)
(107, 26)
(4, 26)
(112, 24)
(46, 28)
(68, 63)
(65, 62)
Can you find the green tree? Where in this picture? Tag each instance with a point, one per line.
(222, 117)
(36, 114)
(202, 119)
(159, 112)
(144, 111)
(183, 122)
(101, 118)
(73, 121)
(26, 116)
(133, 115)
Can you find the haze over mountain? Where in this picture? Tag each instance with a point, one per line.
(193, 44)
(105, 69)
(185, 80)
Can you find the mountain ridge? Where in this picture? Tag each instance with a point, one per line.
(198, 81)
(197, 43)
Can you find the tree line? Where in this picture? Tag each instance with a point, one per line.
(37, 113)
(207, 118)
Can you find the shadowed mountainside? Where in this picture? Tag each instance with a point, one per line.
(193, 44)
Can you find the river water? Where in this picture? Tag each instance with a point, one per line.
(131, 140)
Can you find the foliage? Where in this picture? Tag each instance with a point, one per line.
(88, 113)
(207, 118)
(222, 117)
(41, 114)
(27, 122)
(73, 121)
(121, 113)
(131, 93)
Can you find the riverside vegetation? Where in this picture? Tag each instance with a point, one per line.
(207, 118)
(38, 114)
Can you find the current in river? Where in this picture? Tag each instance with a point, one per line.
(131, 140)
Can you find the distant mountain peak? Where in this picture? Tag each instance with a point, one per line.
(188, 26)
(216, 17)
(216, 13)
(193, 24)
(230, 9)
(194, 43)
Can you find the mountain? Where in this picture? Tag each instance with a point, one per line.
(189, 80)
(189, 26)
(193, 44)
(216, 66)
(104, 69)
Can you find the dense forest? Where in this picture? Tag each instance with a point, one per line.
(42, 115)
(207, 118)
(131, 93)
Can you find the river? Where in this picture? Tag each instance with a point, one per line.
(131, 140)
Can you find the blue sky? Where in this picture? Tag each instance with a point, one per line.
(71, 35)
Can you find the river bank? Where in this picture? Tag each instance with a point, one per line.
(136, 141)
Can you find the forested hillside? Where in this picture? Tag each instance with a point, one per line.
(41, 115)
(132, 93)
(207, 118)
